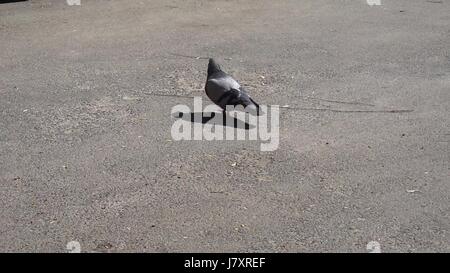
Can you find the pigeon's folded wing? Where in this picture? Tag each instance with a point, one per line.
(215, 90)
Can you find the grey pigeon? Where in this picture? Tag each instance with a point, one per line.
(223, 90)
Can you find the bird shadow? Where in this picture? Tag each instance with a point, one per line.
(204, 117)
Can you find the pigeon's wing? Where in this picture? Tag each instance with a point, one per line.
(243, 90)
(217, 87)
(215, 91)
(223, 90)
(225, 81)
(233, 97)
(240, 97)
(236, 97)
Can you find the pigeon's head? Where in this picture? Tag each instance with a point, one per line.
(213, 67)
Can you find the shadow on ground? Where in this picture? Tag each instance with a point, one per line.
(205, 117)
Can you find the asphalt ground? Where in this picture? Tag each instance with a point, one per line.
(86, 152)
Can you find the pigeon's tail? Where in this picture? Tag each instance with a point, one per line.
(213, 67)
(259, 111)
(241, 98)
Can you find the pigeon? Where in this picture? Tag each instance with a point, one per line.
(223, 90)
